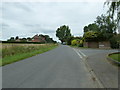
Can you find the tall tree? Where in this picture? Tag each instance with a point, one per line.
(113, 8)
(16, 38)
(91, 27)
(63, 33)
(106, 25)
(12, 39)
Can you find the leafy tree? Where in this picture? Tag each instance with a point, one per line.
(63, 33)
(16, 38)
(69, 40)
(91, 27)
(92, 36)
(115, 41)
(114, 7)
(77, 42)
(48, 39)
(106, 26)
(12, 39)
(29, 39)
(23, 40)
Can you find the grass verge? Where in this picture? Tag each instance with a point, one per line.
(115, 56)
(18, 53)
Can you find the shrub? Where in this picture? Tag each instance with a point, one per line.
(77, 42)
(92, 36)
(80, 43)
(69, 40)
(74, 42)
(115, 41)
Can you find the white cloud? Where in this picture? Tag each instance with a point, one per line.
(27, 19)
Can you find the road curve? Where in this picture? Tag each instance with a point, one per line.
(59, 68)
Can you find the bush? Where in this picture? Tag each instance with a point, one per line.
(80, 44)
(74, 42)
(77, 42)
(92, 36)
(115, 41)
(69, 40)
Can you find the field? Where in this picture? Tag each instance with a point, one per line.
(115, 56)
(14, 52)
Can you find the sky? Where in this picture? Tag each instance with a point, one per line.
(25, 19)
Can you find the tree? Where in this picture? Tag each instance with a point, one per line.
(48, 39)
(69, 40)
(11, 39)
(29, 39)
(92, 36)
(77, 42)
(63, 33)
(16, 38)
(106, 26)
(24, 40)
(114, 7)
(91, 27)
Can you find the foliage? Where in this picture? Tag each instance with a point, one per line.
(91, 27)
(77, 42)
(11, 39)
(69, 40)
(113, 8)
(115, 41)
(48, 39)
(16, 38)
(106, 25)
(73, 38)
(92, 36)
(29, 39)
(74, 42)
(63, 33)
(103, 29)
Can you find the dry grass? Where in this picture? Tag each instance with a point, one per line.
(15, 52)
(13, 45)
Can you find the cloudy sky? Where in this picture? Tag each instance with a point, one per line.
(25, 19)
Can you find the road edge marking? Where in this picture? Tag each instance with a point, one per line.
(78, 53)
(82, 53)
(90, 70)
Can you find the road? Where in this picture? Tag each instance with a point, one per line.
(62, 67)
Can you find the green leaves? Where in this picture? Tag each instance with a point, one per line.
(77, 42)
(63, 33)
(93, 36)
(91, 27)
(114, 9)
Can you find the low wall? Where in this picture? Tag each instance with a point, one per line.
(103, 44)
(91, 44)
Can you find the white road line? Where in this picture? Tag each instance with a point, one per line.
(77, 53)
(82, 53)
(92, 74)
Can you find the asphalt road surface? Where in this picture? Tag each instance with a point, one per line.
(61, 67)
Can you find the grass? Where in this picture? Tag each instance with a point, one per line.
(115, 57)
(16, 53)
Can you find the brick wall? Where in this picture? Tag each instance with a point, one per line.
(103, 44)
(91, 44)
